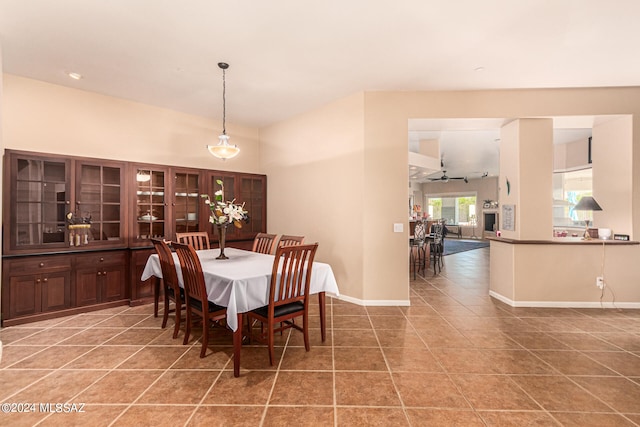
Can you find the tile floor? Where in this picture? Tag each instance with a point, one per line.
(455, 357)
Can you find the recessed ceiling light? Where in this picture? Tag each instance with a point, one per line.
(75, 76)
(478, 69)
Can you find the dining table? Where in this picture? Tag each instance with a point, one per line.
(241, 284)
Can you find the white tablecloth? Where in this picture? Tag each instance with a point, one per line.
(241, 283)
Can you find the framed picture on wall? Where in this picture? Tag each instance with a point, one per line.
(509, 217)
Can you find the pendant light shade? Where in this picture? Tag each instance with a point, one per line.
(223, 150)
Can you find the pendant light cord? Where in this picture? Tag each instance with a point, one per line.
(224, 101)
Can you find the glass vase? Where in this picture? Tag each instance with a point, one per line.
(222, 234)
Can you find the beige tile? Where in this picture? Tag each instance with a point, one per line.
(355, 338)
(517, 419)
(13, 380)
(354, 388)
(303, 388)
(225, 416)
(179, 387)
(558, 393)
(622, 362)
(103, 357)
(251, 388)
(278, 416)
(573, 363)
(428, 390)
(441, 417)
(357, 359)
(620, 393)
(590, 419)
(60, 386)
(381, 417)
(153, 357)
(119, 387)
(155, 415)
(411, 360)
(52, 357)
(494, 392)
(316, 359)
(135, 337)
(92, 336)
(14, 353)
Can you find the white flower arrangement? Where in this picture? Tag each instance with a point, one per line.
(224, 212)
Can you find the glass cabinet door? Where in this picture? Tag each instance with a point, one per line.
(41, 202)
(150, 221)
(99, 202)
(187, 202)
(253, 194)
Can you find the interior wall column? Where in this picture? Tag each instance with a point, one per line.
(525, 185)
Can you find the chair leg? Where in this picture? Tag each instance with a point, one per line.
(156, 296)
(271, 327)
(205, 337)
(176, 328)
(305, 330)
(165, 315)
(187, 329)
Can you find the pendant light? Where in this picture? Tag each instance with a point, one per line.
(223, 150)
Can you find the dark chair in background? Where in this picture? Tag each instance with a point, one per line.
(198, 239)
(263, 243)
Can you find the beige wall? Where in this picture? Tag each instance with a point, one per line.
(386, 116)
(337, 174)
(314, 165)
(48, 118)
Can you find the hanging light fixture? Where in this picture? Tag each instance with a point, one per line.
(223, 150)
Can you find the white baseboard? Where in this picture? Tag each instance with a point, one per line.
(564, 304)
(371, 303)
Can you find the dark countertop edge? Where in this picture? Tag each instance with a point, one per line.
(563, 241)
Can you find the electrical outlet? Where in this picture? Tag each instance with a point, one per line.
(600, 282)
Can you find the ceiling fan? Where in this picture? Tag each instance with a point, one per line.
(445, 178)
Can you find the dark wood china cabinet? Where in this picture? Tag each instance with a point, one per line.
(76, 231)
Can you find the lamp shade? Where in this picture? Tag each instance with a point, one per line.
(223, 150)
(587, 203)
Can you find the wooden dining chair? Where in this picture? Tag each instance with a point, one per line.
(286, 240)
(198, 239)
(263, 243)
(288, 296)
(195, 290)
(171, 288)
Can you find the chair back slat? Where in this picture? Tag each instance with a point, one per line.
(263, 243)
(192, 275)
(167, 263)
(286, 240)
(198, 239)
(291, 274)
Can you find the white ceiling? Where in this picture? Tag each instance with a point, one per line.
(290, 56)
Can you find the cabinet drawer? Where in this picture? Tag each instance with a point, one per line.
(101, 259)
(38, 265)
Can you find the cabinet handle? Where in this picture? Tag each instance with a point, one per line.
(45, 280)
(37, 280)
(68, 202)
(99, 273)
(42, 264)
(104, 273)
(101, 259)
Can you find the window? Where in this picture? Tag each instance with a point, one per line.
(568, 189)
(455, 210)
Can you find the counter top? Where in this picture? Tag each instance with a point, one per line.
(563, 241)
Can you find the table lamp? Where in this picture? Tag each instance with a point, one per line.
(587, 203)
